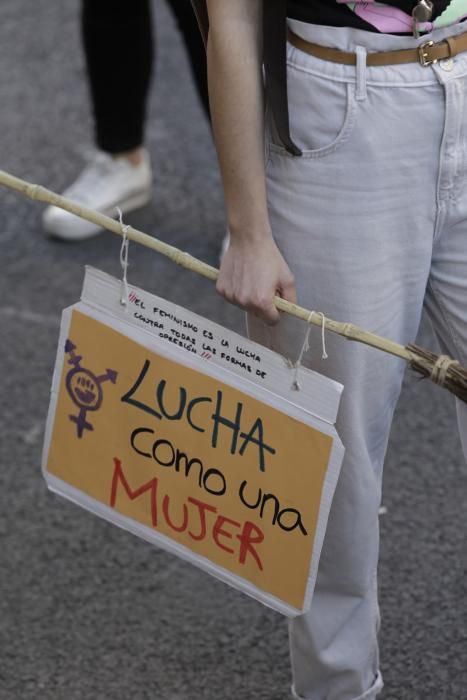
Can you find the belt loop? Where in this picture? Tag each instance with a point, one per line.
(452, 47)
(360, 52)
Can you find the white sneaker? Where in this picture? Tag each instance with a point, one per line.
(104, 184)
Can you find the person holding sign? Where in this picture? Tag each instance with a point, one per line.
(359, 210)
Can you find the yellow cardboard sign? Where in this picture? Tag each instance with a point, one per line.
(231, 479)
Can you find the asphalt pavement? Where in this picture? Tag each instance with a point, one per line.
(87, 611)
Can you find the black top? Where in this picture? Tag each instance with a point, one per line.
(334, 14)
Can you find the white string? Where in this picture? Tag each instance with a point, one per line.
(324, 355)
(440, 369)
(306, 347)
(124, 259)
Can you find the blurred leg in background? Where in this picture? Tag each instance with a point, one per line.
(119, 50)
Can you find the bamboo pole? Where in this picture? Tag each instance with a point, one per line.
(441, 369)
(348, 330)
(453, 376)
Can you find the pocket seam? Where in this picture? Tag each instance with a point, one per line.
(341, 138)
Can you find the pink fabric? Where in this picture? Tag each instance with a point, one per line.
(385, 18)
(391, 20)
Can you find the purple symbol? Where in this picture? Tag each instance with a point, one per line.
(84, 388)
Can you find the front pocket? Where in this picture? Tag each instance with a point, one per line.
(322, 112)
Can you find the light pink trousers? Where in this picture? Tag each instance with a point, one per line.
(373, 222)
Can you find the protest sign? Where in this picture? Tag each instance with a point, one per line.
(192, 437)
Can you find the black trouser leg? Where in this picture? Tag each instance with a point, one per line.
(118, 45)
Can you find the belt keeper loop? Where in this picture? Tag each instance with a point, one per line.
(451, 42)
(360, 53)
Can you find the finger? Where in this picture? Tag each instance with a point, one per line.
(288, 291)
(224, 292)
(268, 313)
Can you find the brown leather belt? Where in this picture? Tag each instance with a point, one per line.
(426, 54)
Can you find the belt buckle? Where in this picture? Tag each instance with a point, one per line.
(423, 55)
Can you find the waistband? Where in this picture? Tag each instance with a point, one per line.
(348, 38)
(425, 54)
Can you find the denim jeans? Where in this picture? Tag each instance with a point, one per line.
(372, 220)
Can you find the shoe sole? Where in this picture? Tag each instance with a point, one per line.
(136, 201)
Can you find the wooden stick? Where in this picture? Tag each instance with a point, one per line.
(348, 330)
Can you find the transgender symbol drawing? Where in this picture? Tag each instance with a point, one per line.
(84, 388)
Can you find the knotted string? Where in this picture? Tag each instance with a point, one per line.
(440, 369)
(124, 259)
(306, 347)
(324, 355)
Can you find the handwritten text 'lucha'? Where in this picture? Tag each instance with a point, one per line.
(185, 409)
